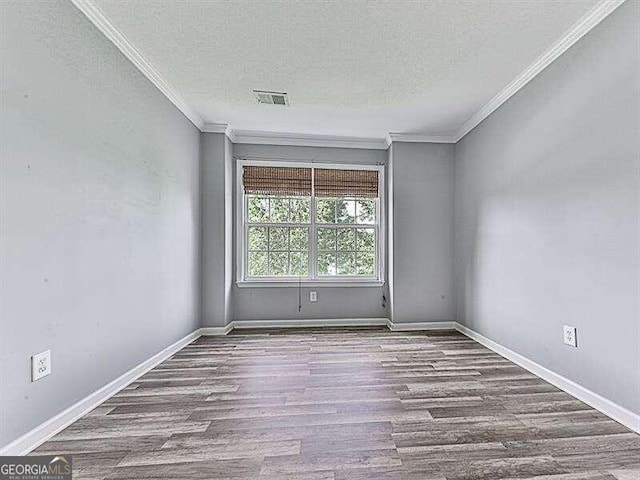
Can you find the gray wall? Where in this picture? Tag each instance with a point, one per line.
(100, 218)
(217, 228)
(99, 213)
(421, 273)
(423, 238)
(282, 303)
(547, 215)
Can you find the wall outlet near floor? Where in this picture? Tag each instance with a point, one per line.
(313, 296)
(40, 365)
(570, 335)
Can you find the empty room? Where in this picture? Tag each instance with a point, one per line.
(319, 239)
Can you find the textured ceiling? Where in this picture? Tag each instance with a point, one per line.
(356, 68)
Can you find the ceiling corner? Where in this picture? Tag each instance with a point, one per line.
(579, 29)
(95, 16)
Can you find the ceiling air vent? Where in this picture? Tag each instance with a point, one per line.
(271, 98)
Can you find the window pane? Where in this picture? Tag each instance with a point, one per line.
(278, 263)
(326, 263)
(300, 210)
(326, 210)
(346, 211)
(299, 264)
(278, 238)
(366, 210)
(257, 238)
(366, 263)
(258, 264)
(344, 230)
(299, 238)
(346, 239)
(366, 239)
(326, 239)
(279, 210)
(258, 210)
(346, 263)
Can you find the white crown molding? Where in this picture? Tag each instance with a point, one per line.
(296, 139)
(95, 15)
(307, 140)
(43, 432)
(231, 134)
(215, 128)
(620, 414)
(575, 33)
(310, 140)
(220, 128)
(419, 138)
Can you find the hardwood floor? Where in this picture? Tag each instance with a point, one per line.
(345, 404)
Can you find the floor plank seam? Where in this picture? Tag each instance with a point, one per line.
(345, 403)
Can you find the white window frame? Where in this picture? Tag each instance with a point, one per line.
(332, 281)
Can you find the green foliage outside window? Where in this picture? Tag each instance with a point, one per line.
(343, 247)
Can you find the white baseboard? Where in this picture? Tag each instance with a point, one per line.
(404, 327)
(620, 414)
(214, 331)
(325, 322)
(329, 322)
(43, 432)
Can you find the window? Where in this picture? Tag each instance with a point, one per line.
(311, 223)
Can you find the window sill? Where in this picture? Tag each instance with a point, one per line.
(308, 283)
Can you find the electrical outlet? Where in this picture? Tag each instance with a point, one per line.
(40, 365)
(570, 335)
(313, 296)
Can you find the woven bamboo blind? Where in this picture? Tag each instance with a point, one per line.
(346, 183)
(259, 180)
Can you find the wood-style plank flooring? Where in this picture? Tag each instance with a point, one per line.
(345, 404)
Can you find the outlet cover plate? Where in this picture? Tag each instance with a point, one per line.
(313, 296)
(570, 335)
(40, 365)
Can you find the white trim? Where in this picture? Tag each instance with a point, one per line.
(95, 15)
(320, 322)
(239, 209)
(330, 322)
(43, 432)
(419, 138)
(219, 128)
(604, 405)
(215, 331)
(308, 164)
(380, 228)
(231, 134)
(575, 33)
(313, 233)
(410, 326)
(308, 140)
(310, 283)
(215, 128)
